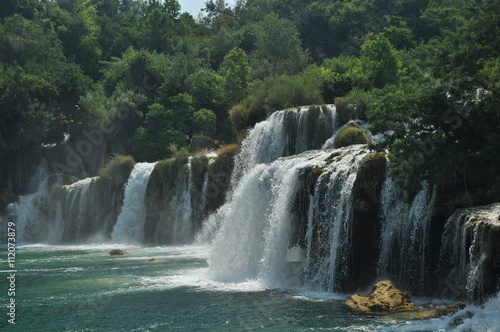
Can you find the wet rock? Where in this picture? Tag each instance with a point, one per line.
(154, 260)
(384, 298)
(118, 252)
(434, 313)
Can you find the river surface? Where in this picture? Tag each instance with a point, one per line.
(83, 288)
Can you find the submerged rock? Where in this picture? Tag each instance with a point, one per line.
(384, 298)
(154, 260)
(433, 313)
(118, 252)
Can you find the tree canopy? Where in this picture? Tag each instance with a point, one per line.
(425, 73)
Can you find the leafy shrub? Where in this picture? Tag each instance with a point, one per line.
(239, 116)
(350, 135)
(360, 103)
(342, 106)
(117, 164)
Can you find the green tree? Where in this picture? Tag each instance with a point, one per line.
(204, 122)
(152, 142)
(278, 48)
(380, 56)
(157, 31)
(236, 71)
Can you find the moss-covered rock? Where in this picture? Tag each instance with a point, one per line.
(350, 135)
(117, 167)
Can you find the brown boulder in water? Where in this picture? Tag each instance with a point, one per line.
(384, 298)
(118, 252)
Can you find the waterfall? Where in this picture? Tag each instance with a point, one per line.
(34, 214)
(404, 236)
(285, 133)
(329, 220)
(129, 227)
(467, 252)
(28, 213)
(177, 200)
(254, 238)
(182, 208)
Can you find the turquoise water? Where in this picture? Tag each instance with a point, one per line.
(82, 288)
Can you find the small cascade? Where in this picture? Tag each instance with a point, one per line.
(285, 133)
(254, 237)
(177, 200)
(30, 213)
(34, 214)
(79, 210)
(329, 220)
(41, 173)
(467, 253)
(182, 209)
(404, 237)
(129, 228)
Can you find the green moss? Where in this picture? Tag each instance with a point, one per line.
(313, 177)
(118, 164)
(167, 171)
(199, 166)
(349, 136)
(333, 157)
(219, 175)
(342, 107)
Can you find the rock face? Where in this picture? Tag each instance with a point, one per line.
(118, 252)
(384, 298)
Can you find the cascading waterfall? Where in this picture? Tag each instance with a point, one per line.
(27, 213)
(183, 210)
(34, 214)
(466, 252)
(177, 200)
(129, 228)
(252, 240)
(404, 236)
(254, 237)
(330, 219)
(285, 133)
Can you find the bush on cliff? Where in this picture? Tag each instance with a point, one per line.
(117, 164)
(350, 135)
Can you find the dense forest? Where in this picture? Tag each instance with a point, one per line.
(425, 72)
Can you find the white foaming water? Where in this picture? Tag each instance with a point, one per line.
(26, 213)
(405, 230)
(130, 223)
(252, 241)
(41, 174)
(183, 224)
(284, 133)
